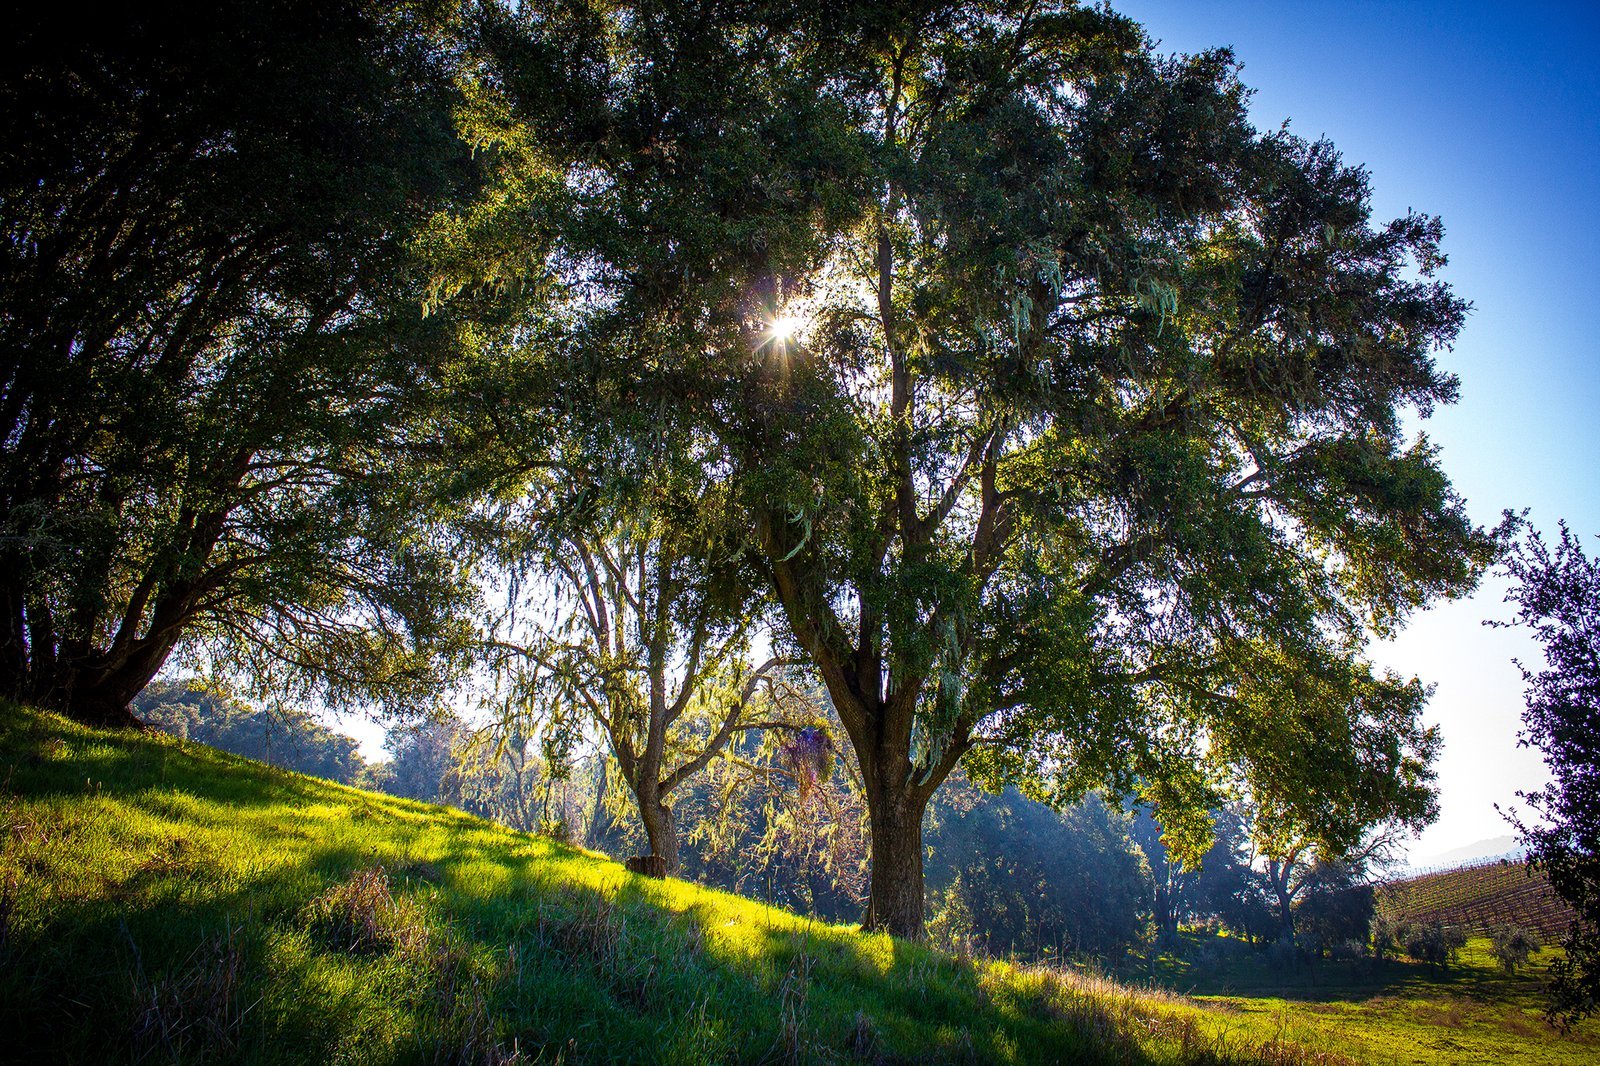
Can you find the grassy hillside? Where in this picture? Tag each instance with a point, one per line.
(162, 901)
(1479, 897)
(1393, 1011)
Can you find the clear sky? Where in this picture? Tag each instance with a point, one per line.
(1488, 115)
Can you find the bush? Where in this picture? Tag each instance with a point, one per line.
(1386, 936)
(360, 915)
(1331, 917)
(1282, 954)
(1433, 942)
(1511, 945)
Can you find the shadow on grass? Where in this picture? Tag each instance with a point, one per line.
(1246, 973)
(561, 951)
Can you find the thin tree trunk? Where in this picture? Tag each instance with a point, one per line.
(1285, 907)
(599, 830)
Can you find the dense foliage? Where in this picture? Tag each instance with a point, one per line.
(1557, 593)
(1010, 876)
(1221, 886)
(213, 358)
(1087, 466)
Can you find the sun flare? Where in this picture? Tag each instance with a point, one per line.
(785, 327)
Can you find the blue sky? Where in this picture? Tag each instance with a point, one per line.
(1487, 114)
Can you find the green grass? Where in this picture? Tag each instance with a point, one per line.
(162, 901)
(1392, 1011)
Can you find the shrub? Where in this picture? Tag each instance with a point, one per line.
(1512, 945)
(1385, 936)
(361, 915)
(1433, 942)
(1282, 954)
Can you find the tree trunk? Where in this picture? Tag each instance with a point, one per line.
(1285, 918)
(895, 903)
(104, 702)
(599, 832)
(659, 829)
(97, 707)
(1166, 908)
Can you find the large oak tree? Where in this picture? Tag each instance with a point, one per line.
(1087, 466)
(1095, 473)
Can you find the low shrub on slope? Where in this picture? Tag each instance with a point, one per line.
(161, 901)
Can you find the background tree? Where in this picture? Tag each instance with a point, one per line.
(1293, 869)
(655, 600)
(649, 639)
(1557, 594)
(496, 773)
(424, 760)
(214, 355)
(782, 819)
(1028, 880)
(1511, 945)
(1210, 887)
(282, 735)
(1335, 910)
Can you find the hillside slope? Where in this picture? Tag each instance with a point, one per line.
(162, 901)
(1479, 897)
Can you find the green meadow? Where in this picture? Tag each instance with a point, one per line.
(1395, 1011)
(161, 901)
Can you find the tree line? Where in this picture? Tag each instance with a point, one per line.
(620, 370)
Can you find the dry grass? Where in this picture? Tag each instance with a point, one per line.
(192, 1012)
(361, 915)
(1124, 1020)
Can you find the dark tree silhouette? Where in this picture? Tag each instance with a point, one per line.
(1557, 593)
(213, 356)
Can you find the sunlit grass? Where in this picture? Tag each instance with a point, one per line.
(163, 901)
(1392, 1011)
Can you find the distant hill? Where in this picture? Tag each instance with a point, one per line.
(1500, 847)
(1479, 896)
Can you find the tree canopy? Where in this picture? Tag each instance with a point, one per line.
(213, 354)
(1085, 465)
(1059, 412)
(1557, 593)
